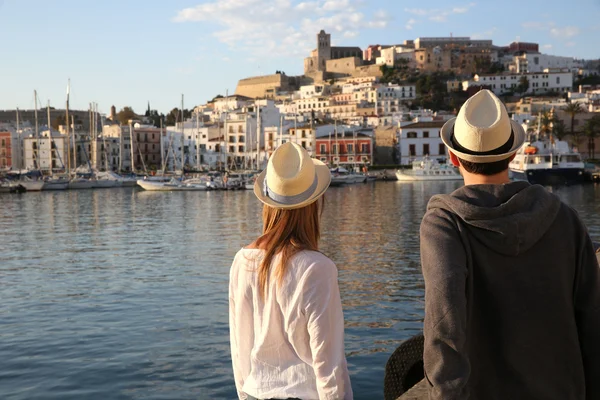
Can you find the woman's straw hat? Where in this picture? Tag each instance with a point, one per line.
(292, 179)
(482, 132)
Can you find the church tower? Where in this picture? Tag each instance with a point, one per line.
(323, 49)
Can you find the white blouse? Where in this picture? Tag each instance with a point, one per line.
(291, 343)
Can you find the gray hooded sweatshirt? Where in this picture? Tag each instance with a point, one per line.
(512, 296)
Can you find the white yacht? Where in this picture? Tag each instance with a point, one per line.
(429, 170)
(341, 175)
(547, 162)
(173, 185)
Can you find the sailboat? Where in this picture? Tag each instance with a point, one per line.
(29, 183)
(51, 182)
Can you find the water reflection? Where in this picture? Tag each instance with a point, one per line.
(123, 293)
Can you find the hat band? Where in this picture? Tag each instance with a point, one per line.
(505, 148)
(290, 200)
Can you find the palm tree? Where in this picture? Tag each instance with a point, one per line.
(546, 121)
(558, 128)
(573, 109)
(592, 130)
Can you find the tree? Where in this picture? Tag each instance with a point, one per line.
(573, 109)
(125, 115)
(59, 120)
(546, 121)
(558, 129)
(592, 130)
(173, 117)
(523, 85)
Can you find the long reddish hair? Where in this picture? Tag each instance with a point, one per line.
(286, 232)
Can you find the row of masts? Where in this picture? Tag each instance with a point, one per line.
(72, 145)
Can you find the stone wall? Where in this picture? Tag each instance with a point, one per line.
(262, 86)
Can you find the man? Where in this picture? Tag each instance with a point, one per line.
(512, 284)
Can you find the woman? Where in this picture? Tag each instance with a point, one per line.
(285, 313)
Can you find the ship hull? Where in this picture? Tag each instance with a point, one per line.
(554, 176)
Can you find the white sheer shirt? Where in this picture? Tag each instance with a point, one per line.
(291, 343)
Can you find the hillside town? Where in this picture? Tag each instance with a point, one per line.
(379, 106)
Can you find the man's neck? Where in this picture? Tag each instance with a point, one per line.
(476, 179)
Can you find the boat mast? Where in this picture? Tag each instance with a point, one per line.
(74, 146)
(37, 133)
(22, 164)
(131, 145)
(49, 137)
(258, 133)
(68, 127)
(162, 159)
(197, 144)
(182, 139)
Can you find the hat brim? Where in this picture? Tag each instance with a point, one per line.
(323, 181)
(446, 136)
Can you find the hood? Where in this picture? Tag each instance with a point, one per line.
(508, 218)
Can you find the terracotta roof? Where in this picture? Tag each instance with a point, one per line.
(425, 124)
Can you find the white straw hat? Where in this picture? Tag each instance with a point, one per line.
(292, 179)
(482, 132)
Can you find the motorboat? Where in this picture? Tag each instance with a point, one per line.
(341, 176)
(547, 162)
(429, 169)
(172, 185)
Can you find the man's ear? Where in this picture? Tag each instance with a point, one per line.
(454, 159)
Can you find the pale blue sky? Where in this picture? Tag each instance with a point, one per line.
(129, 52)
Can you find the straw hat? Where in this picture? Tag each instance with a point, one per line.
(292, 179)
(482, 132)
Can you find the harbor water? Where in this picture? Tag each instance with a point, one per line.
(122, 294)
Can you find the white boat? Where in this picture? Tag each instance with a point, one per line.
(105, 180)
(11, 187)
(172, 185)
(32, 185)
(56, 183)
(547, 162)
(341, 176)
(81, 183)
(428, 170)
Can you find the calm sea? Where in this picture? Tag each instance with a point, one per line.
(122, 294)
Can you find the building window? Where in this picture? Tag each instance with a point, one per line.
(441, 149)
(364, 148)
(334, 148)
(231, 129)
(322, 149)
(241, 149)
(241, 139)
(425, 134)
(303, 144)
(231, 149)
(557, 80)
(350, 148)
(411, 135)
(426, 149)
(412, 150)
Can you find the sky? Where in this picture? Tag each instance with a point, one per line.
(134, 52)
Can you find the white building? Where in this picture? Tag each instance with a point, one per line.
(391, 56)
(316, 104)
(530, 63)
(538, 82)
(419, 139)
(123, 135)
(309, 91)
(48, 153)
